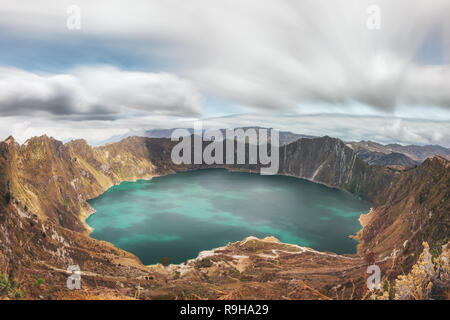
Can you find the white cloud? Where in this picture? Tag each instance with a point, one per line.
(91, 92)
(269, 54)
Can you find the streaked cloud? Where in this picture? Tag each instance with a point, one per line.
(277, 57)
(102, 91)
(268, 54)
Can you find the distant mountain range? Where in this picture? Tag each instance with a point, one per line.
(395, 154)
(369, 151)
(286, 137)
(382, 159)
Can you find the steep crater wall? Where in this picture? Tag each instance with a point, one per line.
(45, 184)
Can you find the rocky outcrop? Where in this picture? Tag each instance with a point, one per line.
(53, 180)
(415, 210)
(44, 185)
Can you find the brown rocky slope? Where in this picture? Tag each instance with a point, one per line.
(44, 185)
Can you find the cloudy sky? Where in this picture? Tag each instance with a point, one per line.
(309, 66)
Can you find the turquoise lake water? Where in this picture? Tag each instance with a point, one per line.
(179, 215)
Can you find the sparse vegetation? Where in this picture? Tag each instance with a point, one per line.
(9, 288)
(66, 202)
(203, 263)
(428, 278)
(425, 274)
(38, 282)
(8, 197)
(234, 273)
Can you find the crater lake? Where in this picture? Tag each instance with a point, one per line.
(179, 215)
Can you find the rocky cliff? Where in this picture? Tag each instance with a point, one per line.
(44, 185)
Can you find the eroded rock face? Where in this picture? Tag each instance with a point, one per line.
(44, 185)
(415, 209)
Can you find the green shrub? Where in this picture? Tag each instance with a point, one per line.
(9, 288)
(67, 203)
(386, 285)
(8, 197)
(391, 293)
(435, 253)
(38, 282)
(4, 284)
